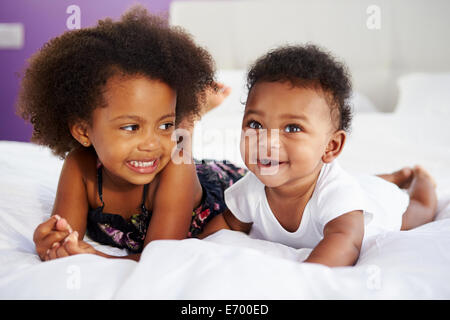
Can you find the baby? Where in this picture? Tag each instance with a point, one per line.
(295, 125)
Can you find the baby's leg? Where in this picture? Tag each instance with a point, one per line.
(422, 195)
(402, 178)
(422, 200)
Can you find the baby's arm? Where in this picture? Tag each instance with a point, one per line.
(342, 241)
(226, 220)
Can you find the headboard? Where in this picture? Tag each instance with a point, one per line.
(378, 40)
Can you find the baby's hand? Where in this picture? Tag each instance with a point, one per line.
(48, 233)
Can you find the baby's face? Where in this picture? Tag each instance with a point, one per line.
(132, 134)
(298, 129)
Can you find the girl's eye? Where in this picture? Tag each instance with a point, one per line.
(166, 126)
(254, 124)
(130, 127)
(292, 128)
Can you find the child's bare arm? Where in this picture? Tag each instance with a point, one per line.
(71, 202)
(226, 220)
(174, 202)
(69, 210)
(342, 241)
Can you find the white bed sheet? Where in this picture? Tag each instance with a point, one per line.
(229, 265)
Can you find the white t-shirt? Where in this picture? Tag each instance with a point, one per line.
(336, 193)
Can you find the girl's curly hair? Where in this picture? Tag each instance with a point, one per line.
(64, 80)
(308, 66)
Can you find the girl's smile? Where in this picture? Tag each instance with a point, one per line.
(145, 166)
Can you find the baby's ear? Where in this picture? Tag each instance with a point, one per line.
(79, 132)
(335, 146)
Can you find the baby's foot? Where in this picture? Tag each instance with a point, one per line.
(423, 188)
(424, 176)
(215, 97)
(402, 178)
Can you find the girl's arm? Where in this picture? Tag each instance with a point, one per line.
(69, 209)
(174, 202)
(71, 200)
(74, 246)
(342, 241)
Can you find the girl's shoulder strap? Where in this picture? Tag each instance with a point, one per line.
(99, 181)
(144, 195)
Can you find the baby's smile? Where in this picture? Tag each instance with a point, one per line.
(267, 162)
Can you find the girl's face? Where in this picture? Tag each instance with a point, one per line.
(298, 130)
(132, 134)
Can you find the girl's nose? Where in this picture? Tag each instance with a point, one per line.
(150, 142)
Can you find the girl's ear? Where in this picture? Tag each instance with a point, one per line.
(335, 146)
(79, 132)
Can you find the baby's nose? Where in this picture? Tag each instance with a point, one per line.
(269, 139)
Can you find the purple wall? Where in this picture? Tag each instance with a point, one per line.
(44, 19)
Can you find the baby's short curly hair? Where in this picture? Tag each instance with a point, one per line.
(308, 66)
(64, 80)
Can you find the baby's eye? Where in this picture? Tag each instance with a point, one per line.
(292, 128)
(254, 124)
(166, 126)
(130, 127)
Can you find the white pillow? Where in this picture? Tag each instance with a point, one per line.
(361, 103)
(424, 92)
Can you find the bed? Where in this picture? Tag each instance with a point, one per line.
(230, 265)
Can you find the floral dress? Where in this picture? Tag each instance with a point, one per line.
(114, 230)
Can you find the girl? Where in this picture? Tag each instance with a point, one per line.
(294, 127)
(107, 99)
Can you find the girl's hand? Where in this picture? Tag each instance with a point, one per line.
(70, 246)
(74, 246)
(48, 233)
